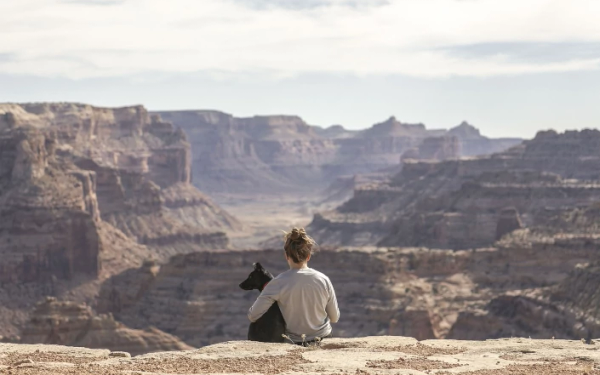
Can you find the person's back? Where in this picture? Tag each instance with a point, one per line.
(305, 296)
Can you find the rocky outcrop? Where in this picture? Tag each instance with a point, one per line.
(554, 285)
(50, 217)
(435, 148)
(284, 155)
(196, 296)
(413, 292)
(132, 166)
(474, 144)
(412, 323)
(581, 289)
(194, 208)
(461, 204)
(522, 316)
(259, 154)
(68, 323)
(508, 222)
(364, 355)
(88, 192)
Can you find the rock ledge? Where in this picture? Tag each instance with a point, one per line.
(366, 355)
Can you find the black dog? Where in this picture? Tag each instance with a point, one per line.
(271, 326)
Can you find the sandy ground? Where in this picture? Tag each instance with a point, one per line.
(266, 217)
(360, 356)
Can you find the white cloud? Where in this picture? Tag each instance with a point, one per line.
(98, 38)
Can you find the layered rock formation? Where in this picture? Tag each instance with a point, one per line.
(463, 203)
(50, 219)
(553, 280)
(88, 192)
(566, 310)
(423, 293)
(73, 324)
(435, 148)
(474, 144)
(102, 189)
(196, 296)
(122, 167)
(283, 154)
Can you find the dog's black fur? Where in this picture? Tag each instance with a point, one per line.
(271, 326)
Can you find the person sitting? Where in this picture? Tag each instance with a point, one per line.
(305, 296)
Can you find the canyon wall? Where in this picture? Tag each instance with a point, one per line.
(197, 298)
(98, 206)
(417, 292)
(68, 323)
(49, 215)
(469, 202)
(134, 171)
(564, 310)
(87, 192)
(283, 154)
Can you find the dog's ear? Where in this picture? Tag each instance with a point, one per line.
(258, 267)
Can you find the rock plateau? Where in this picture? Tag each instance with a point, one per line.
(366, 356)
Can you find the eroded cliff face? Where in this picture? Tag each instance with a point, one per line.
(283, 154)
(72, 324)
(250, 155)
(567, 310)
(103, 190)
(474, 144)
(435, 148)
(50, 217)
(422, 293)
(141, 171)
(197, 298)
(461, 204)
(554, 282)
(88, 192)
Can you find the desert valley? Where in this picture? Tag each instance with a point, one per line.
(130, 230)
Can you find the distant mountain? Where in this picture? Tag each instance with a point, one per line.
(283, 154)
(334, 131)
(473, 143)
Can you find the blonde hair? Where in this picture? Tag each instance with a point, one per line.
(298, 245)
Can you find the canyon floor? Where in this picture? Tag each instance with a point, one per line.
(265, 217)
(360, 356)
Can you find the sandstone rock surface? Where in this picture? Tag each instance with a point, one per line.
(568, 309)
(50, 222)
(68, 323)
(366, 355)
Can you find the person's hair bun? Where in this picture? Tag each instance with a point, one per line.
(298, 245)
(297, 234)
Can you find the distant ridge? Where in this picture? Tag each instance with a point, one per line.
(282, 154)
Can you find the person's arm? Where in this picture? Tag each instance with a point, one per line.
(264, 301)
(332, 309)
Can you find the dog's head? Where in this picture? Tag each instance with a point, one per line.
(257, 278)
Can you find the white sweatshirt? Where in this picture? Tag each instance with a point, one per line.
(306, 299)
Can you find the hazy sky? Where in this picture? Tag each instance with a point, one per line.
(510, 67)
